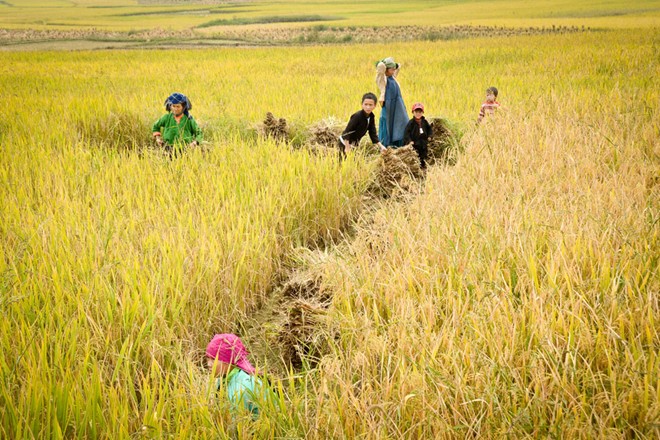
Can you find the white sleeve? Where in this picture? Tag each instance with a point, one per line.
(381, 80)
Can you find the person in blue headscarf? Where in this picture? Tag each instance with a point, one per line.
(393, 115)
(177, 128)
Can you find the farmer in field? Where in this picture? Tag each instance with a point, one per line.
(490, 105)
(227, 358)
(177, 128)
(418, 132)
(360, 122)
(393, 116)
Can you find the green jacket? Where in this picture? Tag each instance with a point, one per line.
(244, 391)
(185, 131)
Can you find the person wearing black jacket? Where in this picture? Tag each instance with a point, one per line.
(358, 125)
(417, 134)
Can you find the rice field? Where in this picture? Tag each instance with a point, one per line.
(132, 15)
(514, 295)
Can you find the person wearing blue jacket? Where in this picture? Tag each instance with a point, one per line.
(393, 115)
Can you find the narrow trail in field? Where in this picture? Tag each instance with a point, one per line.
(291, 327)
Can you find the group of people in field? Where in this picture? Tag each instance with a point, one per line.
(227, 357)
(177, 128)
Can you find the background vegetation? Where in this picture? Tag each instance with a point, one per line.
(169, 14)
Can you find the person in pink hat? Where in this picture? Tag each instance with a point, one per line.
(227, 358)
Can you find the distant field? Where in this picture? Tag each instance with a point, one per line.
(51, 25)
(125, 15)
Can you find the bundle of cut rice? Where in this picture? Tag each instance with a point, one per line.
(442, 146)
(304, 327)
(399, 169)
(304, 331)
(325, 132)
(274, 128)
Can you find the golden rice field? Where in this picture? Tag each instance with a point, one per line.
(515, 296)
(128, 15)
(41, 25)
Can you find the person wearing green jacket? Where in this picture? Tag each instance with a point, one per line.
(227, 358)
(177, 128)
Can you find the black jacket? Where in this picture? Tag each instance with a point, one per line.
(358, 126)
(413, 134)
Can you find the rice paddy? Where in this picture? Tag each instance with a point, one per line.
(511, 292)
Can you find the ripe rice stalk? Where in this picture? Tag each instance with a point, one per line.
(121, 130)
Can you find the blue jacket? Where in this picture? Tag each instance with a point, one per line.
(394, 114)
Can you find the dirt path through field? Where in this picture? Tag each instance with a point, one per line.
(292, 328)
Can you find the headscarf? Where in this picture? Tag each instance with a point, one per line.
(381, 78)
(389, 63)
(178, 98)
(229, 349)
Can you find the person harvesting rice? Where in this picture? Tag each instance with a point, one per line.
(177, 128)
(227, 358)
(360, 123)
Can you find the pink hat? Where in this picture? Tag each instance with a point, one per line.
(228, 348)
(418, 105)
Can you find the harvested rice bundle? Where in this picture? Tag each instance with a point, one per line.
(410, 159)
(304, 331)
(442, 146)
(325, 132)
(274, 128)
(399, 168)
(304, 327)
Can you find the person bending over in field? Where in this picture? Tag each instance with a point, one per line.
(177, 128)
(393, 116)
(227, 358)
(490, 105)
(418, 132)
(360, 122)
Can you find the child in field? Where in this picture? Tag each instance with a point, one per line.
(360, 122)
(177, 128)
(490, 105)
(417, 134)
(226, 357)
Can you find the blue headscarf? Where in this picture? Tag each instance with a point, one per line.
(178, 98)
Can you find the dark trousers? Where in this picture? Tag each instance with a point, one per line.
(422, 151)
